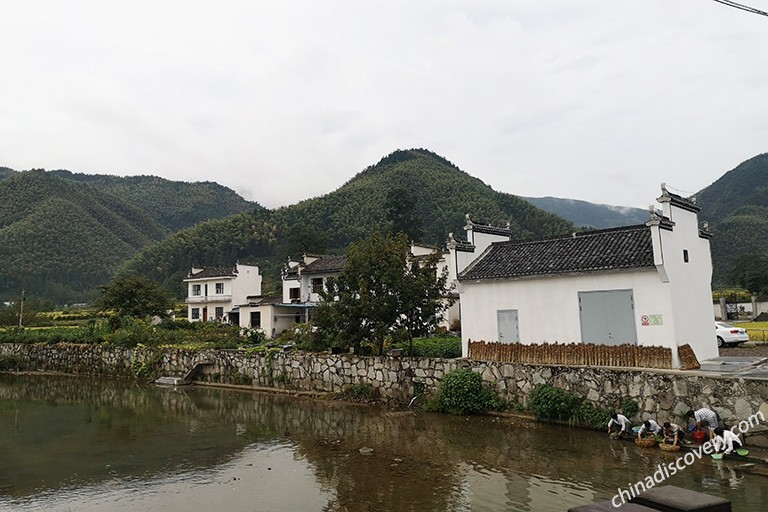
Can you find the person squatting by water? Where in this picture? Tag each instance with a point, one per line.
(619, 424)
(673, 433)
(649, 428)
(726, 441)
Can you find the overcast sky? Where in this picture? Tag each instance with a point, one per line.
(599, 100)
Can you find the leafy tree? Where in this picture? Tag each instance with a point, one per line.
(135, 296)
(751, 272)
(381, 290)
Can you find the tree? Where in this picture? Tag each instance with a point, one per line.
(135, 296)
(750, 271)
(381, 290)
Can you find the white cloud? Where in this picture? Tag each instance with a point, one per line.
(282, 101)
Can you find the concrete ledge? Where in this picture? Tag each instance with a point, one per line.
(607, 506)
(669, 498)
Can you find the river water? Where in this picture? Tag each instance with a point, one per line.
(72, 444)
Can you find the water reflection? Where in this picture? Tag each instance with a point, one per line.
(70, 444)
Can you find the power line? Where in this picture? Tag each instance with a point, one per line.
(742, 7)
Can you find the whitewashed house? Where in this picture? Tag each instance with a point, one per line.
(648, 284)
(213, 293)
(302, 282)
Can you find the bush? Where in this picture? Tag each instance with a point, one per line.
(10, 362)
(552, 403)
(461, 392)
(448, 347)
(629, 408)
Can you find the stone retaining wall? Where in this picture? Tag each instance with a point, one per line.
(661, 394)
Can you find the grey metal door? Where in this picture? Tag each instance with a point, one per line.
(607, 317)
(507, 323)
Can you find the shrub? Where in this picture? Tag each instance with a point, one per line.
(10, 362)
(438, 346)
(241, 379)
(588, 415)
(360, 392)
(461, 391)
(629, 408)
(551, 403)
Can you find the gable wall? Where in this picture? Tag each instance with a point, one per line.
(691, 282)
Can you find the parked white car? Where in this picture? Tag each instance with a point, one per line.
(730, 336)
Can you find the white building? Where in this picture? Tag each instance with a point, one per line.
(460, 253)
(648, 284)
(213, 293)
(302, 283)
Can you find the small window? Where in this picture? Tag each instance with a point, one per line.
(317, 284)
(255, 319)
(685, 255)
(195, 312)
(219, 288)
(219, 313)
(293, 294)
(195, 289)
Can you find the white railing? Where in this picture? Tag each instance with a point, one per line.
(196, 299)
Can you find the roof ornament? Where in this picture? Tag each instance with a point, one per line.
(664, 189)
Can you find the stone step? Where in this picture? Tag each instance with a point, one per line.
(171, 381)
(669, 498)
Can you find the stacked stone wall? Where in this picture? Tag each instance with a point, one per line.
(660, 394)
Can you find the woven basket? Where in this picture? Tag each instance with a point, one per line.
(645, 442)
(669, 448)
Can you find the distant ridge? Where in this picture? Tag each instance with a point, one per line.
(591, 215)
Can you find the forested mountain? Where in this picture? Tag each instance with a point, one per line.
(59, 239)
(415, 191)
(62, 234)
(173, 204)
(736, 207)
(591, 215)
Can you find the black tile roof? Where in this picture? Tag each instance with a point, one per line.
(589, 251)
(208, 272)
(326, 264)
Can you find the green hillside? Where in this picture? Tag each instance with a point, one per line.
(173, 204)
(59, 239)
(415, 191)
(736, 207)
(590, 215)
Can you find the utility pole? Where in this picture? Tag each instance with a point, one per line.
(21, 309)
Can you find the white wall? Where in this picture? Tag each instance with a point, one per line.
(246, 284)
(548, 308)
(691, 282)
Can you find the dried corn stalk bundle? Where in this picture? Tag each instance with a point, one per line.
(577, 354)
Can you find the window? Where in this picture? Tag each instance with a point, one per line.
(685, 255)
(219, 288)
(194, 313)
(317, 284)
(195, 289)
(219, 313)
(294, 294)
(255, 319)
